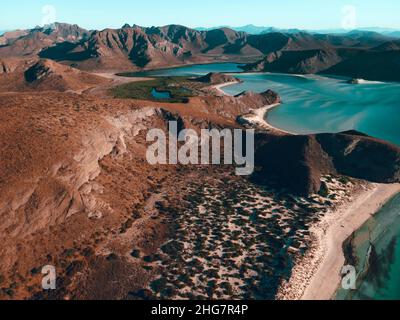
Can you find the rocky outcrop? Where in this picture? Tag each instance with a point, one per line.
(49, 75)
(68, 187)
(379, 64)
(8, 37)
(27, 43)
(258, 100)
(12, 73)
(297, 163)
(64, 32)
(216, 78)
(301, 62)
(232, 107)
(355, 81)
(38, 71)
(7, 66)
(360, 156)
(370, 65)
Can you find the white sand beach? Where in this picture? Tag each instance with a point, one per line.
(317, 276)
(258, 116)
(219, 87)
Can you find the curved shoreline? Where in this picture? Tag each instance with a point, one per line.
(257, 116)
(219, 87)
(317, 276)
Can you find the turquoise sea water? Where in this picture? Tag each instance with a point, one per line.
(381, 278)
(313, 104)
(192, 70)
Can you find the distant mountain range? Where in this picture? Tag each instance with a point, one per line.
(364, 54)
(252, 29)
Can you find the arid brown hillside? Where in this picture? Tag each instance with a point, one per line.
(63, 190)
(77, 192)
(8, 37)
(49, 75)
(135, 48)
(21, 75)
(32, 42)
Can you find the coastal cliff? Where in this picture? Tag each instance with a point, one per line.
(217, 78)
(297, 162)
(354, 63)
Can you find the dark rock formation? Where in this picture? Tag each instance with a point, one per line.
(292, 162)
(370, 65)
(381, 64)
(359, 156)
(298, 162)
(6, 67)
(260, 100)
(354, 81)
(38, 71)
(389, 46)
(302, 62)
(233, 107)
(216, 78)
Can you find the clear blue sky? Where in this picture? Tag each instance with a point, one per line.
(98, 14)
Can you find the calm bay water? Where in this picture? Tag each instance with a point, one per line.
(192, 70)
(314, 104)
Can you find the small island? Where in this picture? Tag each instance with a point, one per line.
(356, 81)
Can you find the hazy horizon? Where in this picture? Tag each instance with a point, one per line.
(362, 28)
(310, 15)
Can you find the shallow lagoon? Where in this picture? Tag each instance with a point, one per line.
(160, 95)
